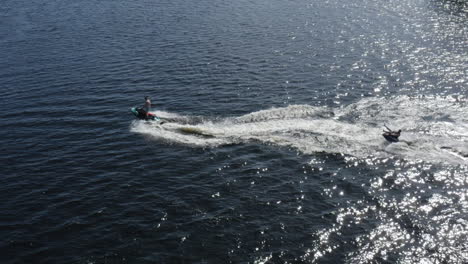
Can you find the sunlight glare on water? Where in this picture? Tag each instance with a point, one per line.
(271, 150)
(414, 210)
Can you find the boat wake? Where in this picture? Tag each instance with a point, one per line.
(433, 129)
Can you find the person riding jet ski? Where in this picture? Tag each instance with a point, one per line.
(144, 111)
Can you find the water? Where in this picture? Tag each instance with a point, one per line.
(276, 155)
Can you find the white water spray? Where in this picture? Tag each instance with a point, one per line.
(433, 129)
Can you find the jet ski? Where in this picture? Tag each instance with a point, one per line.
(140, 114)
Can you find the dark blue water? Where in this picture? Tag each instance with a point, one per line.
(275, 155)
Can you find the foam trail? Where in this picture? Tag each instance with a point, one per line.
(438, 131)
